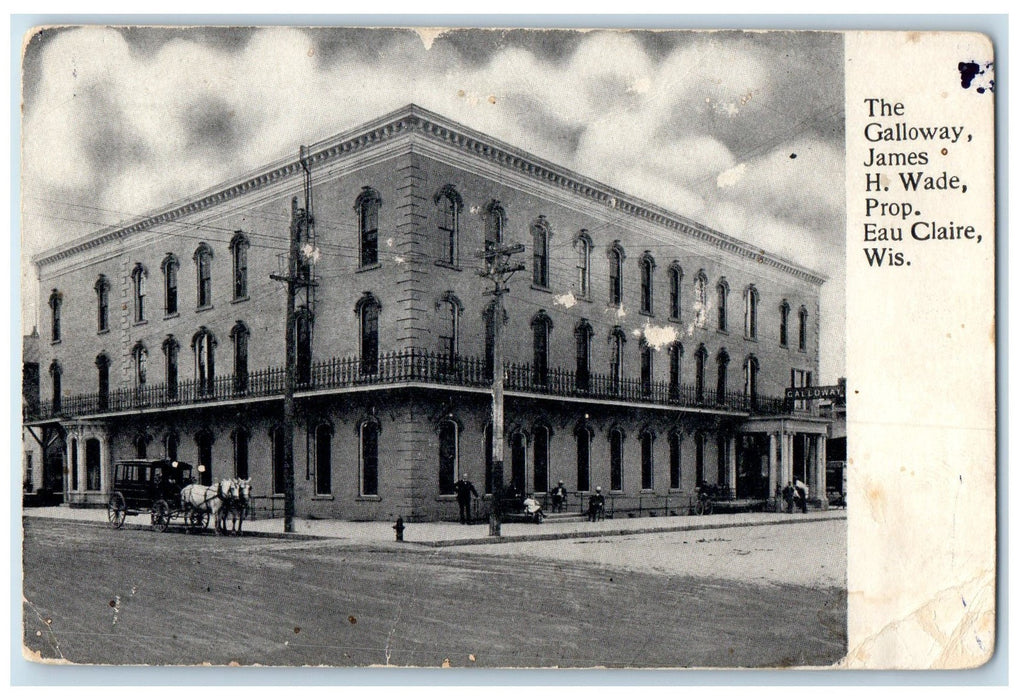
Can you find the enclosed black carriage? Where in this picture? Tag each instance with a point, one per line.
(152, 486)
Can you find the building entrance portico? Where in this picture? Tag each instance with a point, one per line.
(776, 451)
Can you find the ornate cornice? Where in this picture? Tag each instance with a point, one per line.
(415, 121)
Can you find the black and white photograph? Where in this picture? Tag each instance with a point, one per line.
(471, 348)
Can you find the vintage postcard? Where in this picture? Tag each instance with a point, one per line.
(508, 348)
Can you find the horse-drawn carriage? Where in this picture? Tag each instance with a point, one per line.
(167, 490)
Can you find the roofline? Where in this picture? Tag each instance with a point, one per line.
(412, 119)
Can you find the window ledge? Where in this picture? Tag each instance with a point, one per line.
(750, 339)
(173, 314)
(143, 322)
(323, 497)
(238, 300)
(448, 265)
(446, 497)
(647, 492)
(103, 331)
(55, 342)
(207, 307)
(722, 331)
(367, 268)
(676, 491)
(374, 499)
(649, 314)
(541, 288)
(676, 319)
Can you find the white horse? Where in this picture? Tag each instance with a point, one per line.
(207, 499)
(236, 504)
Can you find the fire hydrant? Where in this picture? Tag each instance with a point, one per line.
(399, 527)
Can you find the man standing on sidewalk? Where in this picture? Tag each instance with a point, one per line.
(801, 493)
(464, 488)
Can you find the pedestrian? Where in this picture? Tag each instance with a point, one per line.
(596, 505)
(559, 498)
(464, 488)
(789, 494)
(801, 494)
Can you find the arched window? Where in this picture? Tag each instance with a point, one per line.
(449, 309)
(616, 257)
(140, 358)
(449, 204)
(324, 460)
(539, 238)
(675, 287)
(204, 440)
(367, 310)
(616, 437)
(518, 461)
(675, 370)
(240, 334)
(171, 349)
(141, 446)
(751, 368)
(102, 288)
(495, 224)
(723, 370)
(783, 328)
(278, 459)
(699, 457)
(138, 283)
(647, 368)
(449, 439)
(170, 443)
(723, 304)
(647, 288)
(305, 327)
(584, 436)
(367, 206)
(369, 453)
(204, 346)
(239, 245)
(750, 299)
(541, 328)
(583, 333)
(203, 269)
(55, 303)
(241, 439)
(583, 246)
(170, 266)
(700, 298)
(93, 464)
(701, 358)
(675, 459)
(803, 328)
(541, 447)
(647, 460)
(617, 339)
(103, 366)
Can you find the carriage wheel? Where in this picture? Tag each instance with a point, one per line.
(160, 515)
(196, 520)
(116, 511)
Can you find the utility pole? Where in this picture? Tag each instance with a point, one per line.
(498, 269)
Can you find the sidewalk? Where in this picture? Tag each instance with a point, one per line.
(448, 534)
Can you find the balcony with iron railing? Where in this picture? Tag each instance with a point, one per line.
(410, 366)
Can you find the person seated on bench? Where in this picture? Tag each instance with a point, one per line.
(596, 506)
(559, 498)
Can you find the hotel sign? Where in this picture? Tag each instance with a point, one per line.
(801, 393)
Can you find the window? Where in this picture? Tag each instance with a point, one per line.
(783, 329)
(204, 345)
(242, 439)
(616, 257)
(56, 377)
(702, 359)
(647, 290)
(583, 334)
(367, 309)
(278, 460)
(488, 458)
(750, 313)
(723, 459)
(675, 370)
(448, 455)
(617, 339)
(518, 461)
(675, 460)
(93, 465)
(449, 204)
(541, 445)
(370, 430)
(539, 238)
(29, 476)
(647, 460)
(751, 368)
(699, 456)
(541, 327)
(203, 268)
(583, 247)
(74, 465)
(141, 446)
(449, 308)
(723, 305)
(647, 360)
(304, 322)
(204, 440)
(103, 366)
(798, 378)
(803, 328)
(495, 224)
(140, 357)
(584, 436)
(723, 369)
(675, 298)
(56, 301)
(324, 460)
(240, 334)
(700, 300)
(239, 252)
(367, 206)
(138, 279)
(170, 267)
(170, 350)
(102, 288)
(170, 443)
(616, 459)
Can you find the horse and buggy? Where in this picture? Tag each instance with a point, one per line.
(166, 489)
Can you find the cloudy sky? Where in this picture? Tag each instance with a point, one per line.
(741, 131)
